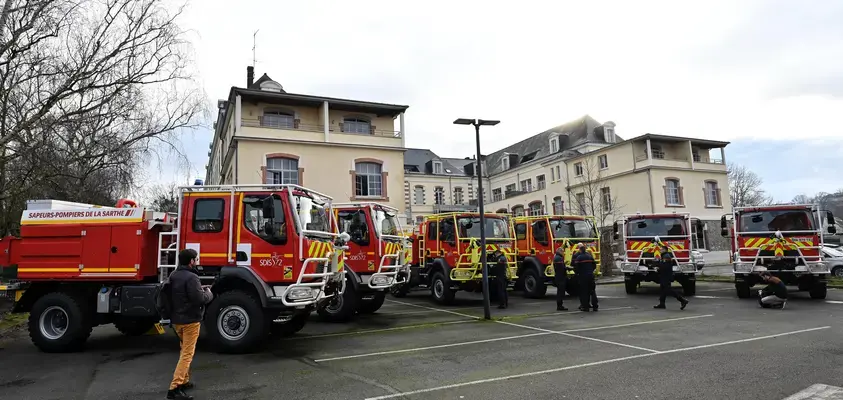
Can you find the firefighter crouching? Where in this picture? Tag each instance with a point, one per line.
(560, 271)
(500, 271)
(584, 266)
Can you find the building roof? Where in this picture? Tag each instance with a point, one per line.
(669, 138)
(415, 161)
(571, 134)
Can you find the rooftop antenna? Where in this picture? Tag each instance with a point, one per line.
(254, 45)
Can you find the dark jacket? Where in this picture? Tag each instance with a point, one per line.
(559, 267)
(665, 265)
(188, 297)
(584, 264)
(499, 269)
(775, 288)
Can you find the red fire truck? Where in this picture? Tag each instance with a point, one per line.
(447, 253)
(536, 240)
(643, 235)
(267, 250)
(377, 252)
(785, 240)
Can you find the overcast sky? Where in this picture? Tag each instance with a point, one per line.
(745, 71)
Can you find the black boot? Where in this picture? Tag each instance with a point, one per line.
(187, 385)
(684, 303)
(561, 308)
(178, 394)
(659, 306)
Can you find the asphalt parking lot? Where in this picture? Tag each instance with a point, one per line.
(719, 347)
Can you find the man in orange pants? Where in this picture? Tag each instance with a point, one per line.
(189, 298)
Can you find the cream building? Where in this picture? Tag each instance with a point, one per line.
(348, 149)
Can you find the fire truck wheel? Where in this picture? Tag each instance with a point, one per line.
(534, 287)
(133, 326)
(289, 327)
(743, 290)
(818, 291)
(631, 287)
(59, 322)
(237, 322)
(341, 308)
(440, 290)
(373, 305)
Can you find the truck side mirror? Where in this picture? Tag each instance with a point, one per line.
(615, 230)
(268, 208)
(724, 227)
(832, 226)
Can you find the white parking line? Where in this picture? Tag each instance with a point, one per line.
(716, 290)
(435, 309)
(452, 309)
(613, 360)
(708, 297)
(578, 336)
(542, 332)
(361, 332)
(834, 302)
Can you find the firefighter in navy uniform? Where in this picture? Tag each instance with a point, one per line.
(561, 277)
(500, 278)
(584, 266)
(665, 266)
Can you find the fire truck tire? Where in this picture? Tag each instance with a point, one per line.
(818, 291)
(134, 326)
(631, 287)
(743, 290)
(290, 327)
(341, 308)
(441, 290)
(237, 322)
(59, 322)
(534, 286)
(689, 288)
(373, 305)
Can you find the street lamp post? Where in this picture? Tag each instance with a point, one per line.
(487, 313)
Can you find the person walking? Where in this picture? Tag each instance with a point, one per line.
(665, 266)
(560, 271)
(775, 294)
(584, 266)
(188, 298)
(500, 279)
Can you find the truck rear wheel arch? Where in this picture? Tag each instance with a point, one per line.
(241, 278)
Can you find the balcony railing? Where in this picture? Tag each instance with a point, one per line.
(443, 208)
(295, 125)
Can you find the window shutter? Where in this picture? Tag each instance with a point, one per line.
(341, 128)
(719, 201)
(296, 123)
(372, 129)
(666, 200)
(681, 196)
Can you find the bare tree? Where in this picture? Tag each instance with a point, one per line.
(745, 187)
(161, 197)
(91, 90)
(593, 196)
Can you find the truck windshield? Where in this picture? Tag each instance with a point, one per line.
(386, 223)
(572, 228)
(496, 228)
(776, 220)
(312, 213)
(651, 227)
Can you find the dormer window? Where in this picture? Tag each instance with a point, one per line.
(554, 144)
(505, 161)
(437, 167)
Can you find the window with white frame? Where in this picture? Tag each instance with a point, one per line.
(558, 206)
(657, 151)
(695, 153)
(282, 171)
(554, 144)
(368, 179)
(509, 188)
(606, 197)
(418, 195)
(552, 174)
(439, 195)
(518, 211)
(672, 192)
(536, 208)
(712, 194)
(278, 119)
(578, 171)
(558, 174)
(603, 160)
(540, 183)
(458, 196)
(356, 125)
(497, 195)
(505, 161)
(581, 206)
(437, 167)
(527, 185)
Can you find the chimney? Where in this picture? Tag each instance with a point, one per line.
(250, 76)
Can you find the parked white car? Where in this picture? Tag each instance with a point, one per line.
(834, 258)
(698, 259)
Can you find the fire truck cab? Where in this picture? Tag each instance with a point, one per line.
(447, 253)
(378, 258)
(267, 251)
(643, 235)
(538, 237)
(785, 240)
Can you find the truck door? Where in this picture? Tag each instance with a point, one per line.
(361, 248)
(204, 226)
(541, 237)
(264, 243)
(125, 249)
(448, 246)
(521, 239)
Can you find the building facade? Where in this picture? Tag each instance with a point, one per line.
(348, 149)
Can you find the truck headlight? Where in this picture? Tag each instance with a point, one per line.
(381, 280)
(300, 293)
(818, 267)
